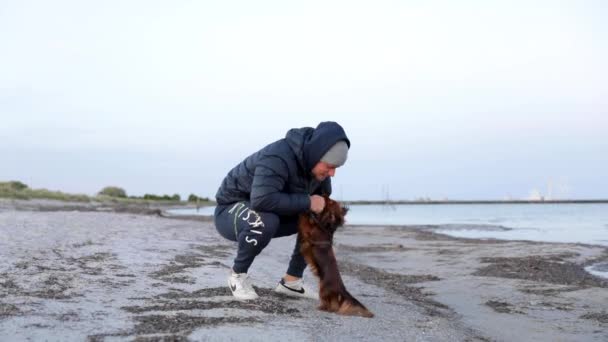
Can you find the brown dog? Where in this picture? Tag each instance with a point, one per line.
(316, 234)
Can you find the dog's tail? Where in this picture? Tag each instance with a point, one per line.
(352, 307)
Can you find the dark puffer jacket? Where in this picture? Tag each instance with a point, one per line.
(278, 178)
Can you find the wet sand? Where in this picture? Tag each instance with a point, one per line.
(104, 273)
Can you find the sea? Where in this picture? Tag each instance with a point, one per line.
(550, 222)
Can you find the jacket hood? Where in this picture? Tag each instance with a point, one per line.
(310, 144)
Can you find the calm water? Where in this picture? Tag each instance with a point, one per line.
(585, 223)
(582, 223)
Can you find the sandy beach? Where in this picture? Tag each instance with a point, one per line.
(94, 272)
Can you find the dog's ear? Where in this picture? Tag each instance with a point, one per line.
(344, 210)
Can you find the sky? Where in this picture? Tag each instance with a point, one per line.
(440, 99)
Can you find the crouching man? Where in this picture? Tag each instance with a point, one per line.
(262, 197)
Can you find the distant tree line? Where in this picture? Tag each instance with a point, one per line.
(153, 197)
(19, 190)
(14, 185)
(193, 198)
(114, 191)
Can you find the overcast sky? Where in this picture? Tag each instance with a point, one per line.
(441, 99)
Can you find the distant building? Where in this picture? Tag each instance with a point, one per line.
(535, 195)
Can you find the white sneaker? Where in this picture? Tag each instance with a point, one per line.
(241, 287)
(296, 289)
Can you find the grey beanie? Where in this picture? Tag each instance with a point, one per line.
(337, 154)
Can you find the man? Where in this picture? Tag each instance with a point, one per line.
(261, 199)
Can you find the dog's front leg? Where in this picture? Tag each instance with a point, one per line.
(329, 278)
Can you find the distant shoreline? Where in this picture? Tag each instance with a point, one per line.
(590, 201)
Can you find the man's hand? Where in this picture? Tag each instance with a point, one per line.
(317, 203)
